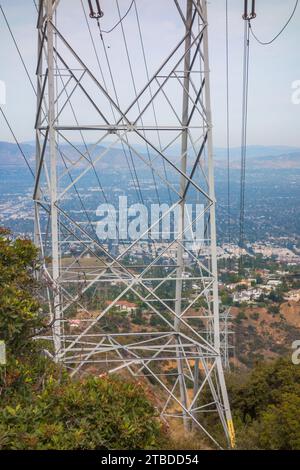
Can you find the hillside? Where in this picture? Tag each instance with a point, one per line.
(258, 157)
(261, 334)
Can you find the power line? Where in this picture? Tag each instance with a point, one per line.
(120, 20)
(280, 32)
(151, 93)
(244, 135)
(138, 106)
(18, 49)
(89, 156)
(32, 86)
(16, 141)
(134, 174)
(132, 170)
(228, 124)
(248, 30)
(136, 95)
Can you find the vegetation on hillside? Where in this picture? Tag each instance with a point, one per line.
(41, 406)
(266, 405)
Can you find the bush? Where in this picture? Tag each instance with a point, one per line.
(96, 413)
(41, 406)
(241, 316)
(19, 309)
(274, 309)
(266, 406)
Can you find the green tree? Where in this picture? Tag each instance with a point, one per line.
(280, 424)
(266, 405)
(19, 308)
(106, 413)
(41, 406)
(225, 297)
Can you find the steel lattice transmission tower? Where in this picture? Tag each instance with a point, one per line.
(114, 121)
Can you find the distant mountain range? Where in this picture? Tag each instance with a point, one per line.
(10, 154)
(258, 157)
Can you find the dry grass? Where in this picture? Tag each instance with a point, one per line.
(179, 440)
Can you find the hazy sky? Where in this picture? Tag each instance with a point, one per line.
(273, 119)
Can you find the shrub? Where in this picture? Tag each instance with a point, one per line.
(241, 316)
(41, 406)
(274, 309)
(266, 405)
(97, 413)
(19, 308)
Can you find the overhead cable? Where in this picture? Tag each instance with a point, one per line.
(16, 141)
(132, 170)
(228, 127)
(18, 49)
(244, 132)
(100, 14)
(263, 43)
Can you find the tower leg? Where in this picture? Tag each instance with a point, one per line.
(181, 214)
(216, 330)
(53, 181)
